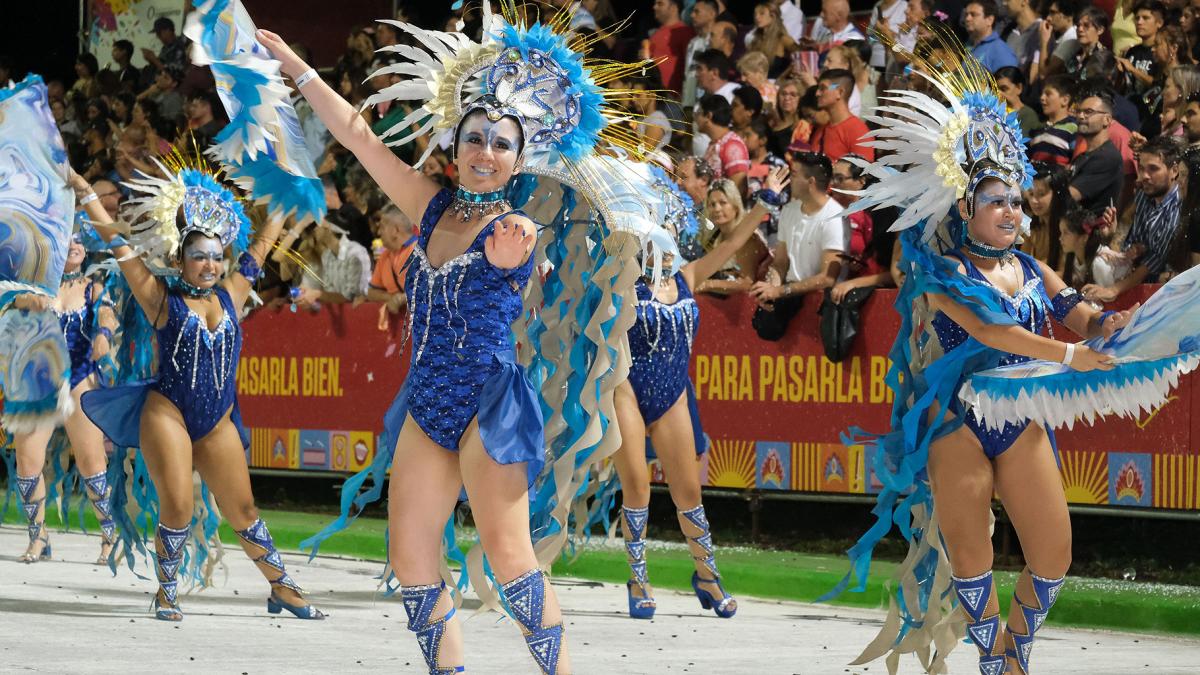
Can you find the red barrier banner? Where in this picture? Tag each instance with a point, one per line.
(313, 388)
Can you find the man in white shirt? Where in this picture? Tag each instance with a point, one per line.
(890, 13)
(812, 240)
(832, 27)
(713, 70)
(704, 15)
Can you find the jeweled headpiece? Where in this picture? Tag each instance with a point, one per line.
(935, 155)
(189, 190)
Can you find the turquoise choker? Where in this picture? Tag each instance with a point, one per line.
(68, 277)
(474, 205)
(194, 291)
(1004, 255)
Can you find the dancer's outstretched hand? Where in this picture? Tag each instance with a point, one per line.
(35, 302)
(777, 179)
(509, 243)
(1117, 321)
(290, 64)
(1086, 359)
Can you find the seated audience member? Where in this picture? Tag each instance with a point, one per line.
(812, 241)
(1047, 204)
(724, 208)
(387, 279)
(342, 273)
(1098, 174)
(1054, 143)
(785, 118)
(979, 19)
(844, 133)
(870, 248)
(747, 106)
(753, 69)
(726, 154)
(1149, 245)
(1011, 83)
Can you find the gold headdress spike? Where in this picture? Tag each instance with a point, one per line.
(944, 59)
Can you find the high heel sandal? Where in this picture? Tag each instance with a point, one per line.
(419, 603)
(258, 535)
(100, 496)
(164, 604)
(26, 486)
(635, 553)
(726, 605)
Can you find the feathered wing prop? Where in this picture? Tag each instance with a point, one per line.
(1160, 343)
(36, 218)
(263, 145)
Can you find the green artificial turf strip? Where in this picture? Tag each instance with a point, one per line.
(774, 575)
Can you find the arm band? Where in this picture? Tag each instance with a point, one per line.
(306, 77)
(248, 267)
(1062, 304)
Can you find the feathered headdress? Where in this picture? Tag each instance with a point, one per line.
(934, 154)
(192, 191)
(540, 75)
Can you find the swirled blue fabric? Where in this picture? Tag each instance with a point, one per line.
(900, 457)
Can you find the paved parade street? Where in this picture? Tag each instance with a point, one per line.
(69, 616)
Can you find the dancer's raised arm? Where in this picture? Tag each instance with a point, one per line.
(249, 264)
(147, 288)
(404, 185)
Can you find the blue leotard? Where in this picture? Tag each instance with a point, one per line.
(463, 360)
(1020, 307)
(77, 328)
(660, 342)
(197, 372)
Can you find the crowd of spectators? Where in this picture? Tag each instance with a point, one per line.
(1108, 95)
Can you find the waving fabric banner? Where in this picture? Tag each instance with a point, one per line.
(263, 145)
(36, 215)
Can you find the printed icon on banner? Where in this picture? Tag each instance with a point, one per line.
(274, 448)
(856, 469)
(774, 461)
(1129, 479)
(834, 476)
(361, 445)
(339, 450)
(314, 449)
(1085, 476)
(731, 464)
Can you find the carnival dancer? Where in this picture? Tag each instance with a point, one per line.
(88, 323)
(657, 402)
(190, 219)
(970, 302)
(520, 100)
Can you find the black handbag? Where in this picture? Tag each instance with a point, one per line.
(839, 322)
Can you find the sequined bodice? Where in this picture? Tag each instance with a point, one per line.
(460, 318)
(1023, 306)
(77, 328)
(198, 366)
(660, 343)
(462, 311)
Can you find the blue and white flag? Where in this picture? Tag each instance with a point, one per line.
(263, 145)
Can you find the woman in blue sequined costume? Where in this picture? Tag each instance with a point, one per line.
(657, 402)
(191, 219)
(466, 416)
(87, 323)
(970, 302)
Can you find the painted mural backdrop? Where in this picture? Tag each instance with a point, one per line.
(774, 411)
(131, 20)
